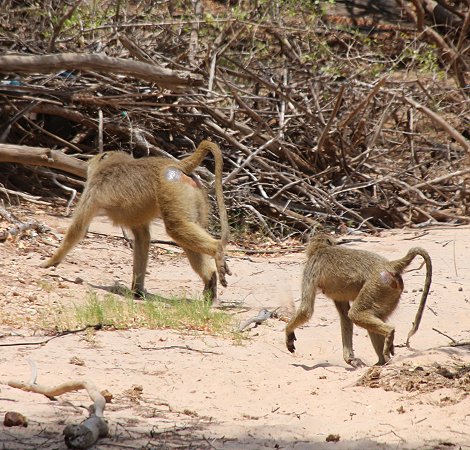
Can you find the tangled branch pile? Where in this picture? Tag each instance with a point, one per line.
(322, 117)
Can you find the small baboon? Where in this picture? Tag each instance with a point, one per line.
(133, 192)
(370, 282)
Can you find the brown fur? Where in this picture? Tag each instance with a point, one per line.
(133, 192)
(370, 282)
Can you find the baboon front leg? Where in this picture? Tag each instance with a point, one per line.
(76, 231)
(302, 315)
(205, 267)
(141, 254)
(373, 324)
(347, 335)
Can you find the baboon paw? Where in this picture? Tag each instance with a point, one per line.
(222, 271)
(222, 266)
(139, 294)
(389, 352)
(290, 342)
(356, 363)
(386, 358)
(49, 263)
(216, 303)
(222, 279)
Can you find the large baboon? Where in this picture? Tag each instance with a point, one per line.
(370, 282)
(133, 192)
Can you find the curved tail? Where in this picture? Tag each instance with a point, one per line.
(191, 162)
(399, 266)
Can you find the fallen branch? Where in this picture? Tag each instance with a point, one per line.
(453, 342)
(165, 78)
(262, 316)
(283, 250)
(443, 334)
(315, 158)
(20, 228)
(38, 156)
(180, 347)
(45, 341)
(29, 198)
(8, 216)
(86, 434)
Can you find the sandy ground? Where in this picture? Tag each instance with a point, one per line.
(193, 390)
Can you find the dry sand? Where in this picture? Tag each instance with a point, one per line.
(193, 390)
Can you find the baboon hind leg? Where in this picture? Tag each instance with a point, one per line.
(193, 237)
(347, 334)
(375, 325)
(204, 266)
(378, 342)
(141, 254)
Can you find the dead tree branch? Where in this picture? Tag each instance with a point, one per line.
(36, 156)
(163, 77)
(86, 434)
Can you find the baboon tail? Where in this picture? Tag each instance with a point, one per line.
(190, 163)
(400, 265)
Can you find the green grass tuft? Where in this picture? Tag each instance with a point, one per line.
(124, 313)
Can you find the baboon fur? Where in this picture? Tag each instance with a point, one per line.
(133, 192)
(365, 288)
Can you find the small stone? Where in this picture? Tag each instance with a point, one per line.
(107, 395)
(332, 438)
(15, 419)
(76, 361)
